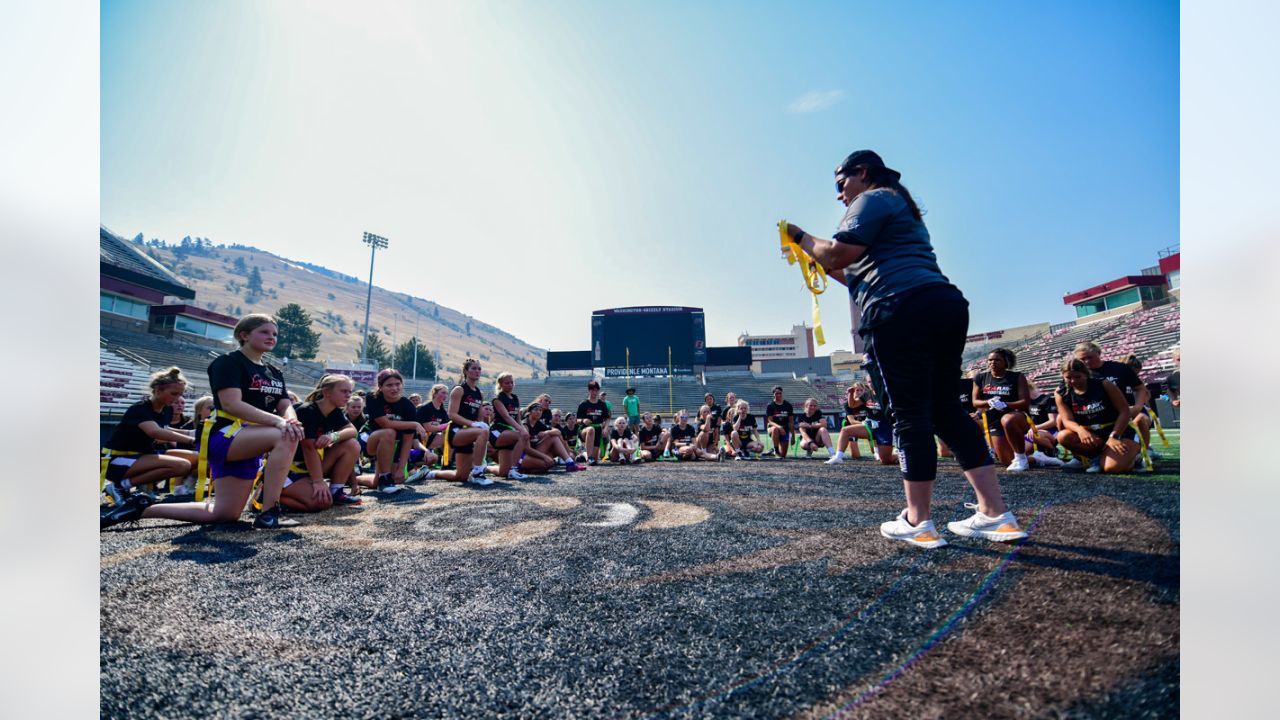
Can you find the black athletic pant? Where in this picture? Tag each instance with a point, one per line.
(914, 362)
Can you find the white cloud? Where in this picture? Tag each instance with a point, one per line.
(815, 101)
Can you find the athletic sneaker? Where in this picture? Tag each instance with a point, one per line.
(924, 535)
(342, 498)
(418, 475)
(721, 454)
(835, 460)
(1155, 456)
(1073, 464)
(1019, 464)
(514, 474)
(1045, 460)
(274, 519)
(184, 491)
(480, 480)
(129, 510)
(117, 494)
(478, 470)
(666, 454)
(1002, 528)
(592, 462)
(1095, 465)
(572, 466)
(386, 485)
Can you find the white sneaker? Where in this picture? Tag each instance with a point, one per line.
(477, 471)
(184, 491)
(834, 460)
(1095, 466)
(418, 474)
(480, 480)
(1002, 528)
(1045, 460)
(1019, 464)
(1073, 464)
(923, 535)
(515, 474)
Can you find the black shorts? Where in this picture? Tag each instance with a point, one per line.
(812, 436)
(459, 449)
(1105, 433)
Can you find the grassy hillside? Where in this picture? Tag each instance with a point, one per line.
(336, 303)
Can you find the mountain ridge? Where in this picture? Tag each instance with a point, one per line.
(219, 274)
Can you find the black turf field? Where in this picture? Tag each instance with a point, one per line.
(742, 589)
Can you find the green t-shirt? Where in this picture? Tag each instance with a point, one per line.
(632, 404)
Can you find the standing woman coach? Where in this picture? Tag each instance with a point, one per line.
(914, 323)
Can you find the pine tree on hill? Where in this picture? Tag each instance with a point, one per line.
(376, 351)
(296, 339)
(403, 360)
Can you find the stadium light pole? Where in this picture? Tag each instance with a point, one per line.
(374, 242)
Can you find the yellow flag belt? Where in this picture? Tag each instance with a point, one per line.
(815, 278)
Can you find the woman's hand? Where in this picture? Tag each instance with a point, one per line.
(324, 441)
(291, 429)
(1116, 446)
(1089, 440)
(319, 488)
(794, 232)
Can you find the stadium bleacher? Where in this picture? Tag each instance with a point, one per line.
(1150, 334)
(146, 353)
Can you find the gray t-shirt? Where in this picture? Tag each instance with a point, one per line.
(899, 256)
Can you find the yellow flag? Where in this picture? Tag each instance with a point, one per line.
(815, 278)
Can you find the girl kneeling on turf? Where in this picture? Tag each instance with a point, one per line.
(252, 416)
(393, 426)
(1095, 420)
(813, 429)
(468, 436)
(328, 449)
(131, 455)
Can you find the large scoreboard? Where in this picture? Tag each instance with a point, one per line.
(648, 340)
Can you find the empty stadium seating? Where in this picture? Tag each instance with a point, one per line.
(1150, 334)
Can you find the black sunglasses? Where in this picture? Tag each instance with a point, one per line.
(840, 184)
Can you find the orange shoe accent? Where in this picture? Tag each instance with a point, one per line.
(1007, 527)
(925, 537)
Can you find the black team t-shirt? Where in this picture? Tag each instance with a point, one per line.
(781, 413)
(128, 437)
(649, 436)
(595, 413)
(717, 414)
(1008, 387)
(316, 423)
(262, 386)
(682, 435)
(815, 418)
(1041, 407)
(626, 434)
(1091, 408)
(1121, 375)
(429, 413)
(748, 424)
(512, 404)
(402, 409)
(471, 402)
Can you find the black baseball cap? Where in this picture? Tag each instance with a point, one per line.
(864, 157)
(631, 391)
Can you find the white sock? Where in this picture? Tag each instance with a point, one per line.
(840, 454)
(1020, 456)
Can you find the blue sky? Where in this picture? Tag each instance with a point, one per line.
(639, 154)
